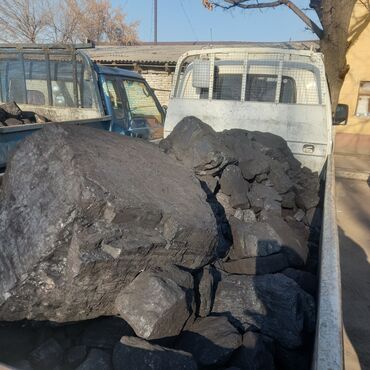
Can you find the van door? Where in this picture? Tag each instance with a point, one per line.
(117, 105)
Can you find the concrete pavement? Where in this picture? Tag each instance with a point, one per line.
(353, 214)
(352, 166)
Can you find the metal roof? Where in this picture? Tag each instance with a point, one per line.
(163, 53)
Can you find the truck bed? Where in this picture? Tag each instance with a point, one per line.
(11, 135)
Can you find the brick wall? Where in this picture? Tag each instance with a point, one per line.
(161, 82)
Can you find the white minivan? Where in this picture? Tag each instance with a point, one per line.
(281, 91)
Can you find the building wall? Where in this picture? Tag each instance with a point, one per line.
(355, 136)
(161, 82)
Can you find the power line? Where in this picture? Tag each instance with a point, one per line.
(188, 19)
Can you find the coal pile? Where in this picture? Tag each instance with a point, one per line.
(12, 115)
(266, 204)
(250, 304)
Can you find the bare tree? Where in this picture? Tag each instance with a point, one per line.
(65, 21)
(97, 20)
(22, 20)
(334, 16)
(119, 32)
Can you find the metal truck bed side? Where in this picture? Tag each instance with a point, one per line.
(329, 327)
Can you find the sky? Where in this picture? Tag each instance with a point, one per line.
(187, 20)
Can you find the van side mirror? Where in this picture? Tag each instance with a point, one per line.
(341, 115)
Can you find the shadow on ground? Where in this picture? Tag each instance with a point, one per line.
(355, 271)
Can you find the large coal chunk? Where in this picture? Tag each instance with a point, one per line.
(254, 239)
(83, 211)
(273, 303)
(233, 184)
(97, 359)
(74, 356)
(17, 341)
(105, 332)
(154, 305)
(257, 265)
(274, 147)
(293, 244)
(211, 340)
(253, 167)
(137, 354)
(238, 142)
(264, 197)
(307, 199)
(206, 282)
(232, 181)
(306, 280)
(197, 146)
(293, 359)
(47, 356)
(256, 353)
(281, 180)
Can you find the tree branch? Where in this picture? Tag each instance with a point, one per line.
(273, 4)
(240, 4)
(309, 22)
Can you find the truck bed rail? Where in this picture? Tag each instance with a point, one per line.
(329, 329)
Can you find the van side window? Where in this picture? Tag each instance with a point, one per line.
(262, 88)
(112, 89)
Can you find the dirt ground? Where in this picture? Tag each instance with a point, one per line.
(353, 214)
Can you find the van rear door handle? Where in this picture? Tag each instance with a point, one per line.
(308, 148)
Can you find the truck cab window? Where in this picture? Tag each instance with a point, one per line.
(262, 88)
(288, 92)
(112, 89)
(227, 87)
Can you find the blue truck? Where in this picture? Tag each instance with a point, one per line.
(63, 85)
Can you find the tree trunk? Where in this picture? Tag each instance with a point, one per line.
(335, 16)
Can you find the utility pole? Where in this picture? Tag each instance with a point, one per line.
(155, 21)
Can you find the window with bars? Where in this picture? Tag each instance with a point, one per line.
(59, 80)
(263, 88)
(284, 79)
(259, 88)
